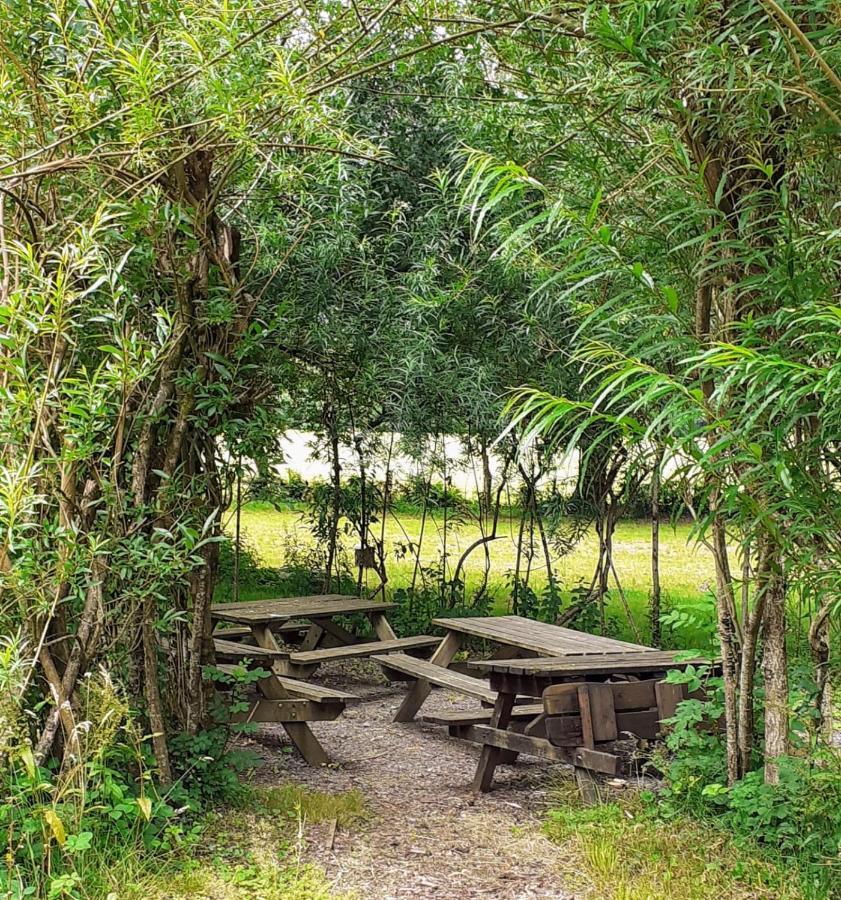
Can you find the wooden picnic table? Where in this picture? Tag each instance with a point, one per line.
(515, 636)
(286, 696)
(511, 679)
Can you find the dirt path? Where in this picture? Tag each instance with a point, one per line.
(429, 838)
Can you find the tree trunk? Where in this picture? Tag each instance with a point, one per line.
(157, 723)
(656, 637)
(729, 648)
(775, 671)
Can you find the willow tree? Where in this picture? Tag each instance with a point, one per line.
(686, 204)
(156, 164)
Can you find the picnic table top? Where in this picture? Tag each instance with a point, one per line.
(603, 664)
(539, 637)
(318, 606)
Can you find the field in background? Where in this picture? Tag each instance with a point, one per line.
(686, 569)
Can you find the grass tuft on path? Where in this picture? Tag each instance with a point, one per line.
(253, 850)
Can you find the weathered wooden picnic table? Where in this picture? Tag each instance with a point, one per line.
(579, 706)
(515, 636)
(530, 657)
(287, 696)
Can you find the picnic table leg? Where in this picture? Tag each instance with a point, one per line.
(312, 638)
(492, 756)
(420, 690)
(382, 627)
(299, 733)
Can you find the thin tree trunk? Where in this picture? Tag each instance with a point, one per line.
(336, 480)
(819, 646)
(656, 636)
(775, 670)
(154, 705)
(729, 649)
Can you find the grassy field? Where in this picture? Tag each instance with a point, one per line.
(686, 569)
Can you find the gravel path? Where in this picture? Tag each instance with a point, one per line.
(429, 837)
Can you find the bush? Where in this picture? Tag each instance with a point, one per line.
(416, 490)
(63, 828)
(279, 490)
(799, 818)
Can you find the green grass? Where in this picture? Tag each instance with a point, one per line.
(254, 850)
(621, 851)
(686, 569)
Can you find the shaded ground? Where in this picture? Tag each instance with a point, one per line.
(429, 837)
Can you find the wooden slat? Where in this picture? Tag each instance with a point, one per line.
(601, 711)
(480, 716)
(306, 690)
(235, 650)
(667, 696)
(297, 710)
(596, 760)
(316, 692)
(642, 723)
(601, 664)
(271, 611)
(365, 649)
(540, 637)
(633, 695)
(511, 740)
(434, 674)
(560, 699)
(565, 731)
(243, 631)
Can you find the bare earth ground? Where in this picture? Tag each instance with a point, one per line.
(429, 837)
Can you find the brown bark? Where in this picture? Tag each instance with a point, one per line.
(819, 646)
(656, 637)
(157, 722)
(729, 647)
(775, 670)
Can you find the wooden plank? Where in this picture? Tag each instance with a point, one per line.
(560, 699)
(603, 664)
(586, 718)
(235, 650)
(667, 697)
(480, 715)
(633, 695)
(303, 689)
(512, 740)
(316, 692)
(295, 608)
(601, 712)
(244, 632)
(597, 760)
(641, 723)
(540, 637)
(365, 649)
(298, 710)
(564, 731)
(427, 670)
(420, 690)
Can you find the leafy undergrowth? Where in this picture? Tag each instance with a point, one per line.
(253, 850)
(620, 850)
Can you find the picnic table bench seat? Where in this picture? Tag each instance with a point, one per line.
(304, 702)
(226, 649)
(480, 715)
(306, 690)
(368, 648)
(430, 672)
(239, 632)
